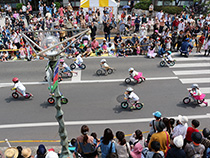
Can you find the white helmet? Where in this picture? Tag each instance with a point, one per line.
(129, 89)
(195, 86)
(130, 69)
(103, 60)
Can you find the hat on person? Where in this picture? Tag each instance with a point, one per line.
(26, 152)
(51, 149)
(187, 39)
(178, 141)
(11, 152)
(51, 154)
(196, 137)
(160, 125)
(182, 119)
(104, 39)
(156, 114)
(41, 149)
(206, 132)
(156, 31)
(135, 34)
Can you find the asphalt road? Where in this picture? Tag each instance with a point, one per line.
(96, 101)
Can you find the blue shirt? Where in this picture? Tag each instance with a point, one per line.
(106, 148)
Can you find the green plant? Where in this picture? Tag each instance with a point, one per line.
(19, 6)
(143, 4)
(58, 5)
(169, 9)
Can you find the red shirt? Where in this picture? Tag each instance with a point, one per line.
(190, 130)
(201, 39)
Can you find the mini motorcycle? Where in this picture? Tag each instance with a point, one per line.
(127, 102)
(102, 71)
(199, 100)
(74, 65)
(130, 79)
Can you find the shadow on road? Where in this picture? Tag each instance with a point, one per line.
(117, 109)
(46, 105)
(11, 99)
(182, 105)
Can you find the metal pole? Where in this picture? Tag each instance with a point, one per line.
(31, 46)
(65, 153)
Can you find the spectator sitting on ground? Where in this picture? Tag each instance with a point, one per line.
(94, 44)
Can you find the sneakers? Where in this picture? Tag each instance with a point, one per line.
(132, 107)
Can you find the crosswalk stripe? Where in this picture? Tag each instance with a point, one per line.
(190, 65)
(194, 80)
(205, 90)
(192, 59)
(77, 77)
(191, 72)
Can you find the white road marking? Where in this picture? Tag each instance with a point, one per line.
(191, 72)
(95, 122)
(195, 80)
(205, 90)
(77, 77)
(190, 65)
(86, 81)
(192, 59)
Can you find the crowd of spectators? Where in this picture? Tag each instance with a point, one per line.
(168, 31)
(167, 137)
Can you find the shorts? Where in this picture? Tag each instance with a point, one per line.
(66, 69)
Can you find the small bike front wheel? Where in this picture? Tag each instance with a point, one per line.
(110, 71)
(124, 105)
(139, 106)
(99, 72)
(172, 63)
(15, 95)
(162, 63)
(64, 101)
(127, 80)
(72, 66)
(186, 100)
(200, 101)
(51, 100)
(82, 66)
(28, 95)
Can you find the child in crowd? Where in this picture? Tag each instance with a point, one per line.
(138, 49)
(151, 53)
(110, 48)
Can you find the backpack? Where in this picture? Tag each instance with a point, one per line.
(157, 155)
(196, 154)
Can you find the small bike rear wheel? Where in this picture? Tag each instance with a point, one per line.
(124, 105)
(72, 66)
(110, 71)
(64, 101)
(15, 95)
(70, 75)
(127, 80)
(28, 95)
(186, 100)
(139, 106)
(51, 100)
(162, 63)
(99, 72)
(82, 66)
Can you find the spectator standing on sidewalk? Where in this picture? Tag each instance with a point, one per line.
(107, 30)
(200, 43)
(93, 29)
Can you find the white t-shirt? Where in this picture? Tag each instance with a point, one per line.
(133, 96)
(105, 65)
(134, 73)
(79, 59)
(20, 86)
(24, 8)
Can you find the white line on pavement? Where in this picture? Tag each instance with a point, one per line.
(95, 122)
(87, 81)
(77, 77)
(191, 72)
(190, 65)
(195, 80)
(192, 59)
(205, 90)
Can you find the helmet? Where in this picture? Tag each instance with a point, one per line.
(76, 53)
(61, 61)
(195, 86)
(206, 132)
(130, 69)
(103, 60)
(169, 52)
(129, 89)
(15, 79)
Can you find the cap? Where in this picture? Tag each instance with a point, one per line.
(182, 119)
(178, 141)
(196, 137)
(157, 114)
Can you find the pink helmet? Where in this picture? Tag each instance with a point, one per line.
(15, 79)
(61, 61)
(76, 53)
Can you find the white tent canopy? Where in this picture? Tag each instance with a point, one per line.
(94, 4)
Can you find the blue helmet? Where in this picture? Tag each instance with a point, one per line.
(187, 39)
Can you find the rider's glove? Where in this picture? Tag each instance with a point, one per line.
(13, 88)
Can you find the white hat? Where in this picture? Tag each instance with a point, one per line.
(182, 119)
(51, 154)
(178, 141)
(11, 152)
